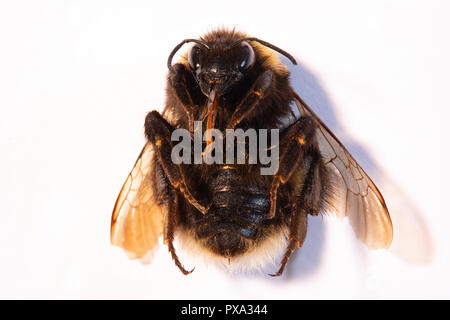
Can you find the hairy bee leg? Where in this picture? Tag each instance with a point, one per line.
(297, 235)
(315, 184)
(309, 202)
(158, 132)
(180, 80)
(255, 94)
(170, 218)
(298, 138)
(289, 250)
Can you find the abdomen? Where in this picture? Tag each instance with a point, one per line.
(235, 221)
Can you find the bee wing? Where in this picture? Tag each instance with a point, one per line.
(137, 220)
(356, 195)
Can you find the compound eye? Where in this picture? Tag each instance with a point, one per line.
(248, 55)
(194, 57)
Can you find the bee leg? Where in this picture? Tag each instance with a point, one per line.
(170, 219)
(259, 89)
(158, 133)
(296, 140)
(309, 202)
(297, 234)
(315, 184)
(181, 80)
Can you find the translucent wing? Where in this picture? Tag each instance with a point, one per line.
(357, 196)
(137, 220)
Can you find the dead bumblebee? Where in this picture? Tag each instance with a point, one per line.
(231, 211)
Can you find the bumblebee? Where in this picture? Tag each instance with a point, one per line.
(231, 212)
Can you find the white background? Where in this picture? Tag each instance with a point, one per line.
(78, 77)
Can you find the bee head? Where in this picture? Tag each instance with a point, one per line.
(220, 68)
(220, 64)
